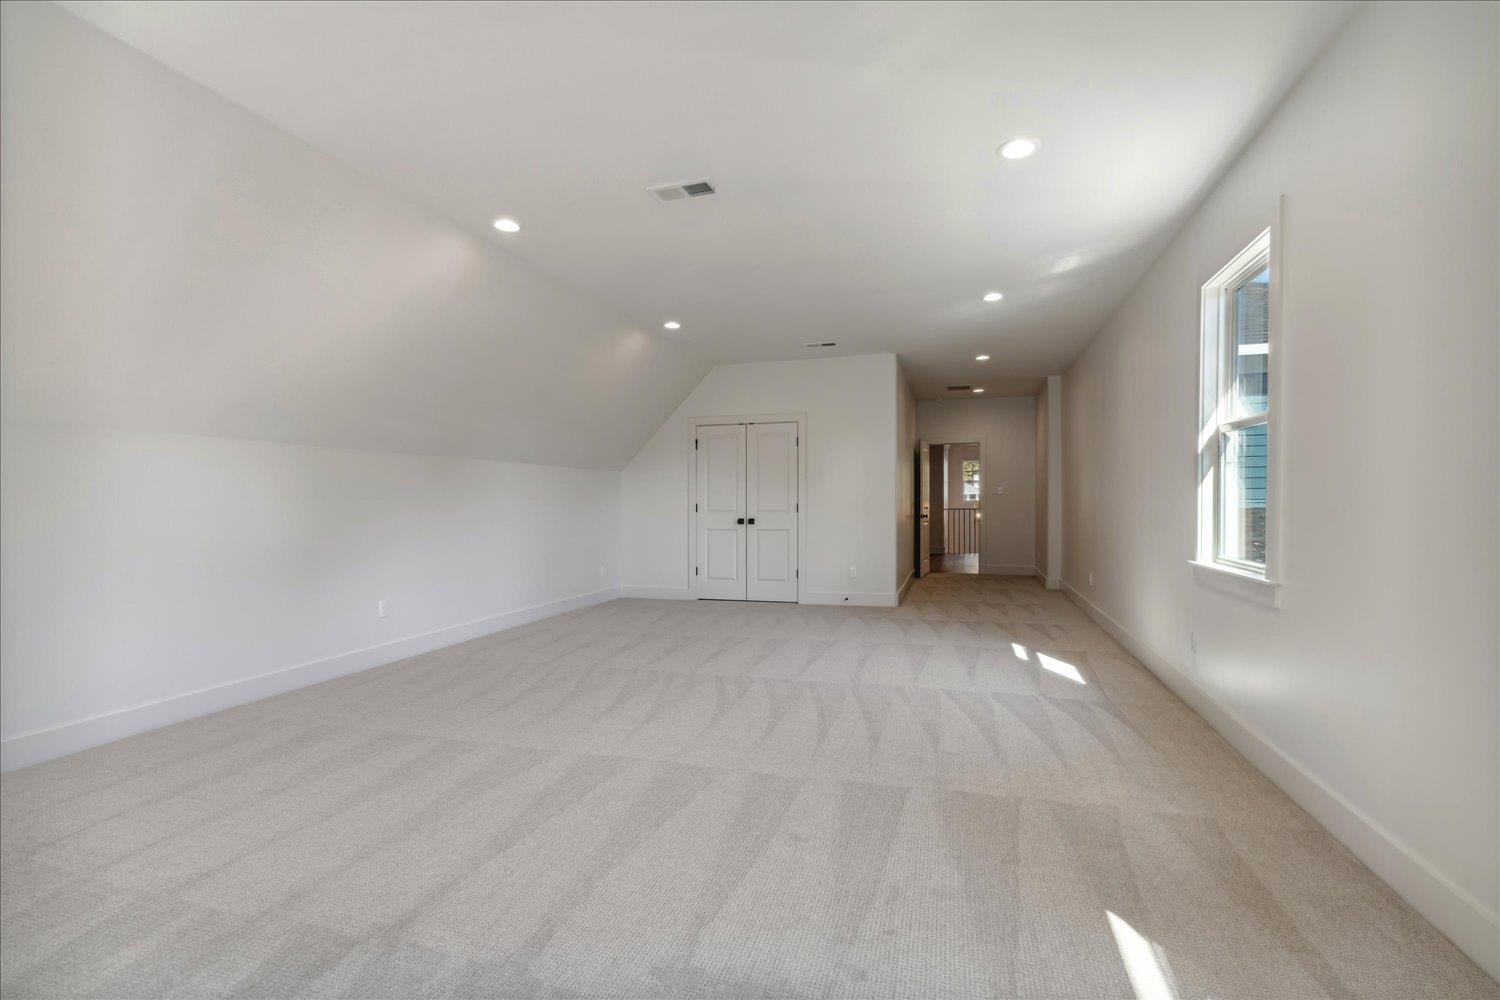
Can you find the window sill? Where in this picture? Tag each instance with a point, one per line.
(1236, 582)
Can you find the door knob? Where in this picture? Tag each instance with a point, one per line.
(739, 520)
(752, 520)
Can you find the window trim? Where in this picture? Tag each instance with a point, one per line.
(1215, 383)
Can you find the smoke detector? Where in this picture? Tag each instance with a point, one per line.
(679, 192)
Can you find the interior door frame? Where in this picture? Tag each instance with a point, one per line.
(985, 484)
(803, 510)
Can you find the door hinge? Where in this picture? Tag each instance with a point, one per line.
(798, 574)
(695, 444)
(695, 570)
(799, 507)
(695, 508)
(799, 440)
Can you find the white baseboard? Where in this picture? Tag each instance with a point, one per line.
(905, 586)
(659, 593)
(851, 598)
(997, 569)
(70, 737)
(1041, 577)
(855, 598)
(1451, 909)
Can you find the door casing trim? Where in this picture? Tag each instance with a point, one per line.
(803, 507)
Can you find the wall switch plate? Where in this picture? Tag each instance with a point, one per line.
(851, 572)
(999, 490)
(381, 609)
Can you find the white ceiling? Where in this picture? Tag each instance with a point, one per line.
(861, 200)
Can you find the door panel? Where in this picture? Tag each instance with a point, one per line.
(719, 494)
(924, 507)
(771, 512)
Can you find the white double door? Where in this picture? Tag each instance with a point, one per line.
(745, 512)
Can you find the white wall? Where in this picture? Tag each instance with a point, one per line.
(851, 446)
(171, 262)
(1006, 431)
(181, 280)
(906, 472)
(148, 578)
(1373, 693)
(1040, 503)
(1052, 393)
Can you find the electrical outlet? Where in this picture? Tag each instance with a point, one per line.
(999, 490)
(1091, 579)
(851, 573)
(603, 570)
(381, 609)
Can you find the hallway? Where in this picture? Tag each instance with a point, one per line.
(956, 562)
(975, 794)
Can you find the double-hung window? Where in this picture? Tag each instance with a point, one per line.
(1235, 523)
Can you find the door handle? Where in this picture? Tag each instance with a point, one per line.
(739, 520)
(752, 520)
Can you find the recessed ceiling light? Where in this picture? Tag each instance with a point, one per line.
(981, 357)
(672, 324)
(978, 390)
(993, 296)
(1017, 149)
(508, 225)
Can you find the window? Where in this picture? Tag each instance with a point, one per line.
(971, 480)
(1235, 521)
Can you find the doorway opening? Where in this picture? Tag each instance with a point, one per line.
(956, 474)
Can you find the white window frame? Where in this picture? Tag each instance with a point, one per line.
(1217, 352)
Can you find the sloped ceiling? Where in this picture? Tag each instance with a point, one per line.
(173, 262)
(853, 144)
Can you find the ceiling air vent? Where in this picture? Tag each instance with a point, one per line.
(678, 192)
(960, 388)
(826, 343)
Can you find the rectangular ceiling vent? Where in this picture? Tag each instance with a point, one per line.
(826, 343)
(679, 192)
(959, 388)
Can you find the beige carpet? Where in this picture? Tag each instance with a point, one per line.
(704, 799)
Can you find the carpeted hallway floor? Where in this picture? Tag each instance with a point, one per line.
(704, 799)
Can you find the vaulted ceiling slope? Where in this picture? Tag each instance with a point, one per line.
(173, 262)
(859, 198)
